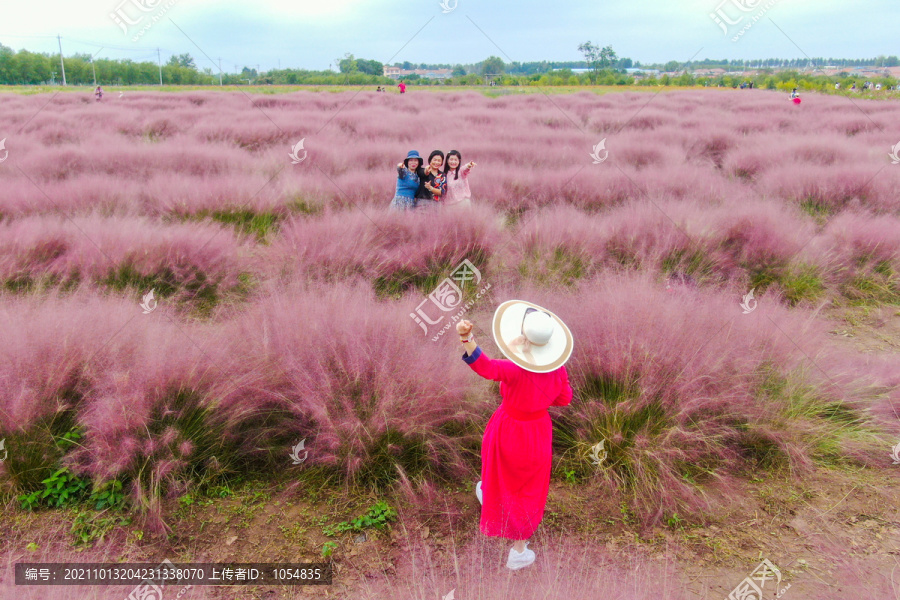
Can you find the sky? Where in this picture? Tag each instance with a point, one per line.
(314, 34)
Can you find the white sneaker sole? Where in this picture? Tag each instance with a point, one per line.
(520, 565)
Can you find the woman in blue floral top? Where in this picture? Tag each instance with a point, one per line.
(407, 182)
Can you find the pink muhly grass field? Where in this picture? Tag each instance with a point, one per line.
(383, 245)
(299, 284)
(178, 259)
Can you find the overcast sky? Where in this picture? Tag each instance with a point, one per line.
(313, 33)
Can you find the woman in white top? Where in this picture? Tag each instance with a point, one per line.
(458, 193)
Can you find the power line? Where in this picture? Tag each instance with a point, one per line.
(123, 48)
(3, 35)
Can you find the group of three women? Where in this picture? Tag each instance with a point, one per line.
(434, 184)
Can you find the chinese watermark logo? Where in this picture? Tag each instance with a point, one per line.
(601, 147)
(295, 153)
(725, 20)
(746, 303)
(447, 297)
(149, 590)
(139, 14)
(598, 453)
(149, 304)
(6, 152)
(295, 452)
(895, 454)
(449, 5)
(895, 154)
(751, 588)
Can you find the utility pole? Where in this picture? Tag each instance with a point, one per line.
(94, 71)
(61, 63)
(159, 63)
(220, 71)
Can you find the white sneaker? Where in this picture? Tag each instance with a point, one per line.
(518, 560)
(478, 493)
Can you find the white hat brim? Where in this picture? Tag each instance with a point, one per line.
(507, 326)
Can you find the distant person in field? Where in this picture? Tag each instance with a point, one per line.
(516, 450)
(98, 93)
(794, 94)
(407, 182)
(457, 176)
(432, 183)
(402, 87)
(379, 89)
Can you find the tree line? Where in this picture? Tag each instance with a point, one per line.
(603, 65)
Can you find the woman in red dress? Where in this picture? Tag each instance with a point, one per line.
(516, 451)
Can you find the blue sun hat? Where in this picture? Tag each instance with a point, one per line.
(412, 154)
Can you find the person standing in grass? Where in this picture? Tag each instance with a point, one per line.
(432, 182)
(407, 182)
(458, 193)
(516, 450)
(402, 87)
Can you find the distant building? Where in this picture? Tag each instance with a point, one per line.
(573, 71)
(398, 73)
(710, 72)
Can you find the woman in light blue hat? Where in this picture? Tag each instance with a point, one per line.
(407, 182)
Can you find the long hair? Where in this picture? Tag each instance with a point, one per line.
(447, 164)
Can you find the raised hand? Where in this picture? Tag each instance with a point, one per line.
(464, 327)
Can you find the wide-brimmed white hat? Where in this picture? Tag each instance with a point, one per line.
(531, 336)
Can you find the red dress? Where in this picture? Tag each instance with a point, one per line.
(516, 451)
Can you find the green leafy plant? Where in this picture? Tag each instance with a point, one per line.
(378, 515)
(90, 527)
(64, 488)
(108, 495)
(60, 489)
(675, 522)
(328, 548)
(219, 491)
